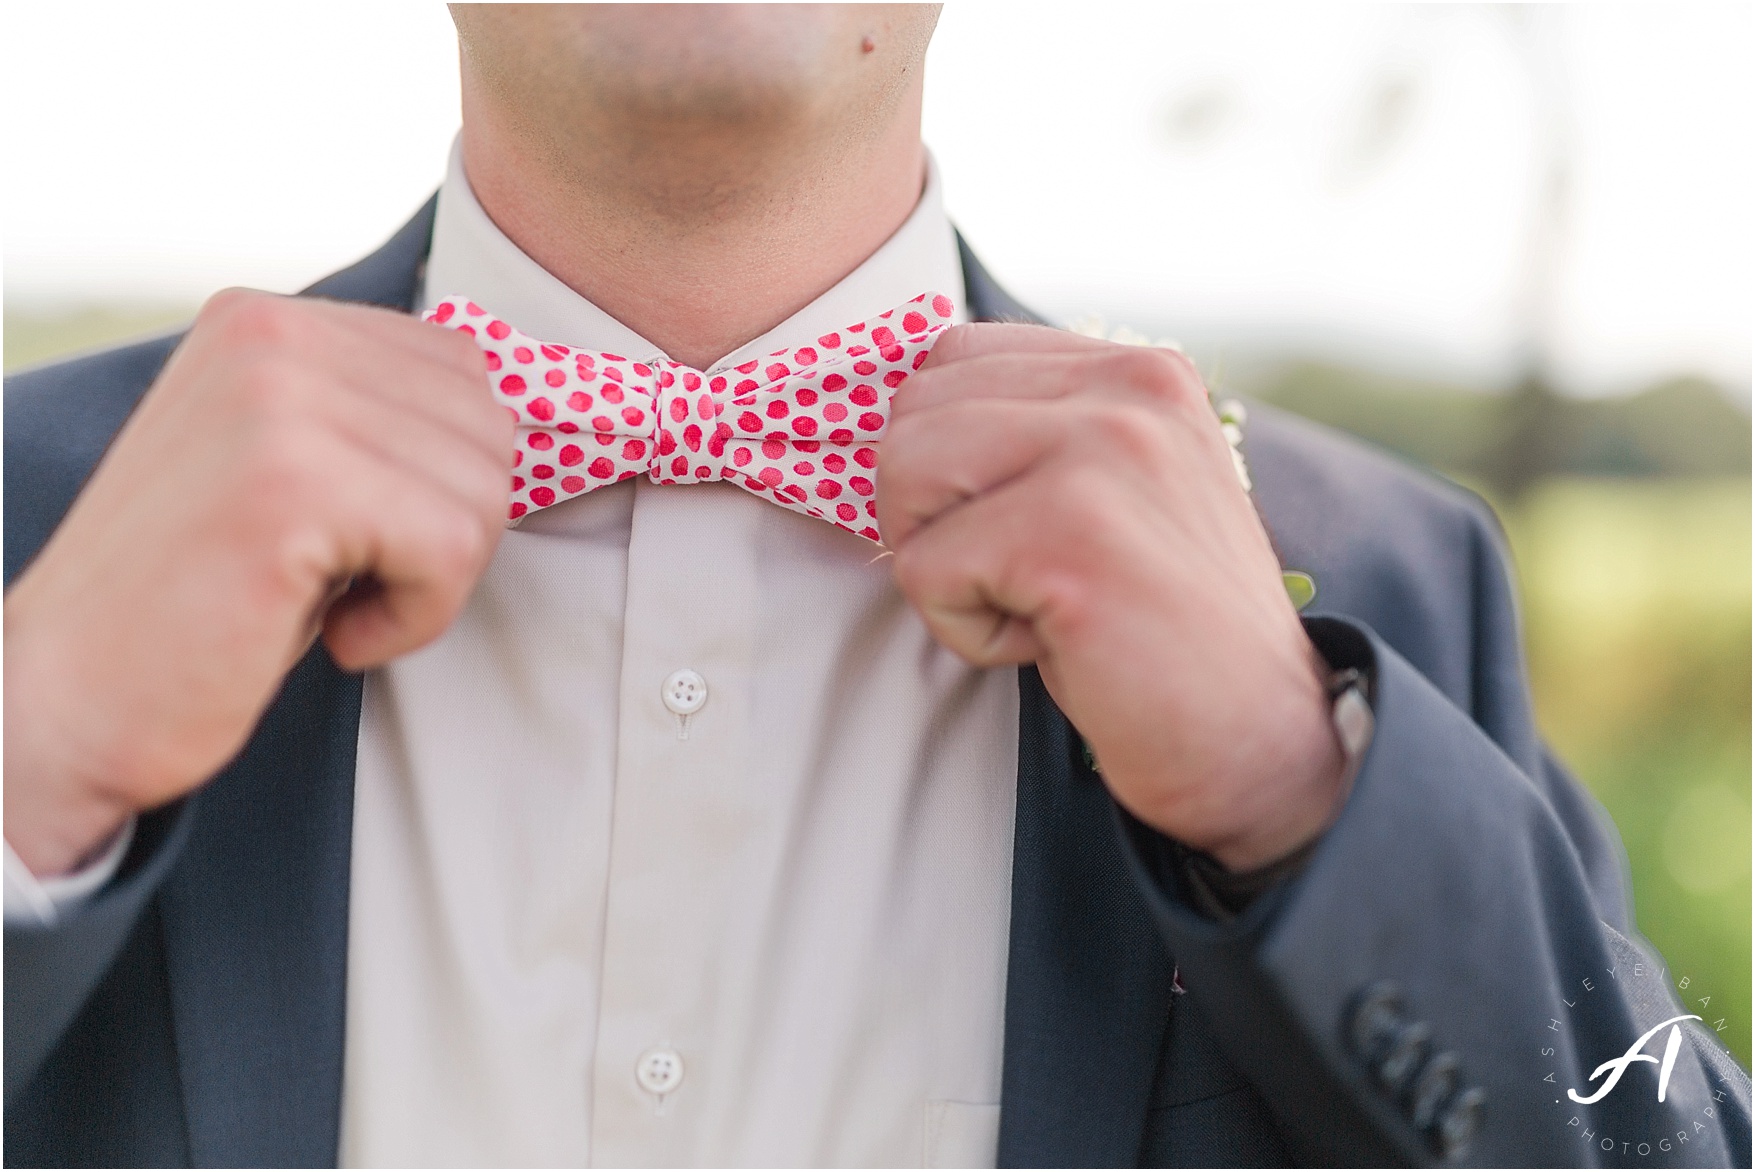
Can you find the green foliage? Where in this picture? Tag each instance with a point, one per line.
(1636, 597)
(1681, 427)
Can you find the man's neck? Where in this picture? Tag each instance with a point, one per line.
(698, 238)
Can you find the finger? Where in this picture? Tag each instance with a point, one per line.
(417, 553)
(975, 339)
(1156, 376)
(474, 470)
(936, 460)
(969, 577)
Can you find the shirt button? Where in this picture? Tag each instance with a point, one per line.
(659, 1070)
(684, 692)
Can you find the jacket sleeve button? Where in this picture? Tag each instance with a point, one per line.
(1433, 1089)
(1378, 1016)
(1460, 1123)
(1406, 1054)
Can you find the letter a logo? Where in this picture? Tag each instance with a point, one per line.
(1618, 1066)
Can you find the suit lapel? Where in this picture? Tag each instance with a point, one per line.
(1087, 980)
(255, 914)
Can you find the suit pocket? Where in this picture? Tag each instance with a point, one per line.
(960, 1135)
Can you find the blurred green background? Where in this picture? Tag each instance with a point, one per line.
(1629, 523)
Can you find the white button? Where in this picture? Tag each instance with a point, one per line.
(660, 1070)
(685, 692)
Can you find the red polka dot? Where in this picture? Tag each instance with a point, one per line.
(517, 458)
(601, 468)
(641, 369)
(834, 412)
(913, 323)
(769, 476)
(634, 450)
(603, 423)
(778, 409)
(864, 368)
(804, 425)
(493, 361)
(692, 437)
(443, 313)
(835, 462)
(691, 381)
(703, 472)
(793, 491)
(804, 356)
(865, 395)
(942, 306)
(518, 509)
(541, 409)
(866, 457)
(579, 401)
(554, 353)
(861, 485)
(612, 393)
(524, 354)
(679, 466)
(572, 455)
(830, 341)
(870, 421)
(892, 353)
(474, 310)
(804, 468)
(846, 511)
(679, 409)
(805, 445)
(572, 484)
(517, 483)
(541, 441)
(750, 421)
(773, 448)
(840, 436)
(828, 489)
(543, 472)
(498, 330)
(895, 378)
(741, 456)
(718, 385)
(543, 496)
(919, 360)
(883, 336)
(612, 374)
(805, 397)
(870, 533)
(569, 427)
(513, 384)
(833, 382)
(554, 378)
(777, 371)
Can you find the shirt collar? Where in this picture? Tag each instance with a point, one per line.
(471, 256)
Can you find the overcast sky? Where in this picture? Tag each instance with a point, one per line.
(1356, 181)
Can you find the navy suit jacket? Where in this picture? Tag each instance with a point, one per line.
(1400, 1001)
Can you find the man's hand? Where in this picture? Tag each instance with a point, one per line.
(299, 466)
(1071, 502)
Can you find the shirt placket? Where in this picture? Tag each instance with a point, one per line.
(685, 818)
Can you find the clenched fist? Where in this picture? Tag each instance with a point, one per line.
(1072, 502)
(299, 467)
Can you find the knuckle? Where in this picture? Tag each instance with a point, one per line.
(1159, 374)
(1127, 430)
(264, 319)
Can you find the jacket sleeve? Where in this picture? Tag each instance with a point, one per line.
(1457, 956)
(51, 971)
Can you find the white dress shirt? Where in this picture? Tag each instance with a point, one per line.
(587, 930)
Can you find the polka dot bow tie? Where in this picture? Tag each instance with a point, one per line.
(799, 427)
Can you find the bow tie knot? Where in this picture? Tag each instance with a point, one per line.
(799, 426)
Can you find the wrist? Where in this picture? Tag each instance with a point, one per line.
(58, 813)
(1289, 794)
